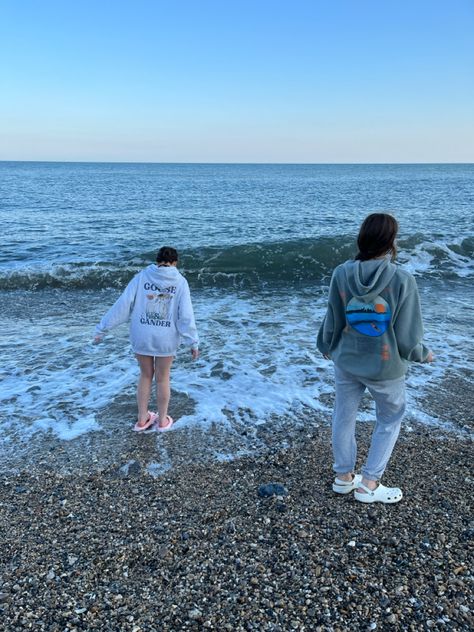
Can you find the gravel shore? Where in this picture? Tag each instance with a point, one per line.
(200, 548)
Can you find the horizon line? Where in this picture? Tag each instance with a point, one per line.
(165, 162)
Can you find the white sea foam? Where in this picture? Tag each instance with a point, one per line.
(65, 429)
(258, 360)
(436, 257)
(157, 469)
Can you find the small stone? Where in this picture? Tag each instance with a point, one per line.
(392, 618)
(272, 489)
(195, 613)
(351, 543)
(4, 597)
(71, 560)
(134, 468)
(459, 569)
(467, 534)
(20, 489)
(51, 575)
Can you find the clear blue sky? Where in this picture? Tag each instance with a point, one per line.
(237, 80)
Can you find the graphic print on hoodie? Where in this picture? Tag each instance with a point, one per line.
(370, 319)
(157, 309)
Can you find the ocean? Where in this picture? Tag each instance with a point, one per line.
(257, 244)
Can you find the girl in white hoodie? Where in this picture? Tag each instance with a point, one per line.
(158, 303)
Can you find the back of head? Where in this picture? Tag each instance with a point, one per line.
(377, 236)
(166, 255)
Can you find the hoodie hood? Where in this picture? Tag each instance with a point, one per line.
(366, 279)
(162, 275)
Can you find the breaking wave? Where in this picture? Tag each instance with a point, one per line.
(266, 264)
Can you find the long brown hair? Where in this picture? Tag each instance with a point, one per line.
(377, 236)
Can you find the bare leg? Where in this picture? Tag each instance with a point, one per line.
(162, 376)
(368, 483)
(144, 386)
(348, 476)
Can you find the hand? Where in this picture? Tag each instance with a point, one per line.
(195, 353)
(97, 340)
(430, 357)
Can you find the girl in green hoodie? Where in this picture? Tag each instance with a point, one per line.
(372, 330)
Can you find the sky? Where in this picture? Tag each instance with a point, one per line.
(294, 81)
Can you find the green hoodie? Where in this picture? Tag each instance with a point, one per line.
(373, 324)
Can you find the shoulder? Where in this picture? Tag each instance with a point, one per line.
(341, 269)
(405, 278)
(181, 280)
(144, 272)
(136, 277)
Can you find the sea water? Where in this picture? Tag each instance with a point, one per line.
(257, 244)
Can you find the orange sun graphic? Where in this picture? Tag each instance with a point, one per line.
(379, 308)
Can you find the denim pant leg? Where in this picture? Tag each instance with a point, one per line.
(349, 391)
(390, 404)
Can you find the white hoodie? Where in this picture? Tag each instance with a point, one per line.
(158, 302)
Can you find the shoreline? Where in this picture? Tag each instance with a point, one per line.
(198, 548)
(447, 405)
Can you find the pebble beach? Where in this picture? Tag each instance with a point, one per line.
(206, 545)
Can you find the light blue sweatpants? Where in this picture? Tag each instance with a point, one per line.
(390, 403)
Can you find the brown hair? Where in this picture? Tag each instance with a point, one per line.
(377, 236)
(166, 254)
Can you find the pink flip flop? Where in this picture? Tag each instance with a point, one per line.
(152, 417)
(168, 425)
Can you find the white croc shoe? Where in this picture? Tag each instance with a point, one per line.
(346, 487)
(380, 494)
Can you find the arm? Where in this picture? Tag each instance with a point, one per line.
(333, 323)
(186, 324)
(408, 327)
(119, 312)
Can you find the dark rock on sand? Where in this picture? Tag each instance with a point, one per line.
(272, 489)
